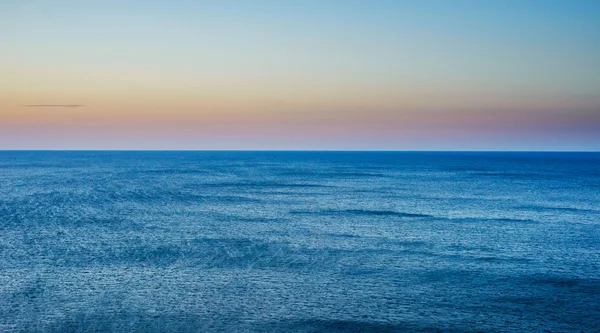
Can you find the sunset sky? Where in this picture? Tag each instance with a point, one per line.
(389, 75)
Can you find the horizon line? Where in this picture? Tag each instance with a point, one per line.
(303, 150)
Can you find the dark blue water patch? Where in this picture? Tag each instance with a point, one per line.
(131, 321)
(505, 174)
(517, 175)
(155, 322)
(542, 208)
(331, 175)
(465, 258)
(521, 300)
(486, 248)
(353, 175)
(343, 236)
(444, 199)
(165, 172)
(486, 220)
(232, 199)
(359, 212)
(500, 260)
(456, 276)
(275, 194)
(412, 244)
(256, 219)
(588, 285)
(32, 166)
(469, 169)
(260, 184)
(335, 326)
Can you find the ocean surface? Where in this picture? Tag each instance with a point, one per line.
(299, 242)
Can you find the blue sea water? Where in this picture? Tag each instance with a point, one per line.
(299, 242)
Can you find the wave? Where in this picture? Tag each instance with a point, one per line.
(334, 175)
(558, 208)
(253, 219)
(359, 212)
(487, 219)
(265, 184)
(365, 212)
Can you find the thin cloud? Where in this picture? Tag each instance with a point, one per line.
(54, 105)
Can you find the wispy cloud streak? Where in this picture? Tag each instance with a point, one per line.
(53, 105)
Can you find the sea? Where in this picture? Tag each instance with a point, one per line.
(299, 241)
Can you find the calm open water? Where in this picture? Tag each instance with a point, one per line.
(299, 242)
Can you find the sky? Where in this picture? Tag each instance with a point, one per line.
(327, 75)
